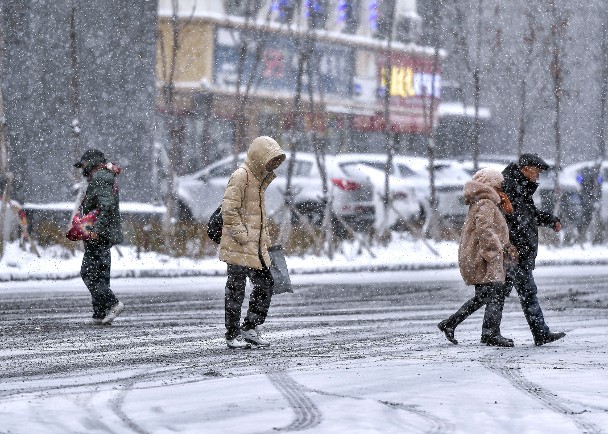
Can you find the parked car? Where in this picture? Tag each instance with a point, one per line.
(449, 181)
(351, 193)
(406, 207)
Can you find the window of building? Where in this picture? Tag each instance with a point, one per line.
(316, 13)
(407, 28)
(348, 15)
(243, 8)
(285, 10)
(381, 17)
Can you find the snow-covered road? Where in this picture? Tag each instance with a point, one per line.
(351, 353)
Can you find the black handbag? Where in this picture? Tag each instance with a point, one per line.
(215, 225)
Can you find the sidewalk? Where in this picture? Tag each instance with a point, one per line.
(402, 254)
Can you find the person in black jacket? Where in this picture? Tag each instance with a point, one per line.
(520, 183)
(101, 196)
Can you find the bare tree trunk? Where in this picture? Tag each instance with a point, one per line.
(168, 93)
(432, 224)
(557, 74)
(522, 118)
(298, 128)
(169, 69)
(388, 136)
(320, 159)
(239, 126)
(7, 176)
(529, 41)
(75, 105)
(477, 87)
(242, 95)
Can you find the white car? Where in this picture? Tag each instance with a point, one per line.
(449, 181)
(406, 206)
(351, 193)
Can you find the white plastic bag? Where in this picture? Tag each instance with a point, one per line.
(279, 271)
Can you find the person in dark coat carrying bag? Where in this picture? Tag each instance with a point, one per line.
(245, 241)
(521, 181)
(101, 198)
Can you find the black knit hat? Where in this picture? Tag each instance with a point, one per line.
(533, 160)
(90, 155)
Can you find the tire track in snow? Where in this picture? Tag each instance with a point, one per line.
(92, 421)
(438, 425)
(550, 400)
(307, 414)
(116, 405)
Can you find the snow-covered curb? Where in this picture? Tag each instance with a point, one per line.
(402, 254)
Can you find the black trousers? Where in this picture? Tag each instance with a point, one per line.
(522, 279)
(493, 296)
(259, 300)
(95, 273)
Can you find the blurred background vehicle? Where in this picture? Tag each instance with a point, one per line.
(351, 192)
(404, 207)
(449, 181)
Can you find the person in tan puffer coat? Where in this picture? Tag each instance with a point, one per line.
(484, 245)
(245, 241)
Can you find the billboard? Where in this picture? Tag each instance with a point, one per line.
(412, 86)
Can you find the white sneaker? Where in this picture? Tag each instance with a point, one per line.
(96, 321)
(237, 344)
(114, 312)
(253, 336)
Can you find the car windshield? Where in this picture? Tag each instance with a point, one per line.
(221, 171)
(406, 171)
(300, 168)
(375, 165)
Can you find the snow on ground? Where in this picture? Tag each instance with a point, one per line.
(351, 353)
(403, 253)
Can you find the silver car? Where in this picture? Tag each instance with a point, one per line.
(351, 193)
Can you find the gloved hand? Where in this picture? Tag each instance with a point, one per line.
(511, 256)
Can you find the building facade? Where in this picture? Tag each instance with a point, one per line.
(228, 49)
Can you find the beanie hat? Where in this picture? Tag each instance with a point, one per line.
(90, 155)
(490, 177)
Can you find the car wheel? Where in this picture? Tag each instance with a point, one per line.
(311, 212)
(183, 212)
(340, 231)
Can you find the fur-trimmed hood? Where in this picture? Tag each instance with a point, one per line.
(475, 191)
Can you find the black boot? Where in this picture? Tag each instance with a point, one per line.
(549, 337)
(448, 331)
(484, 338)
(497, 341)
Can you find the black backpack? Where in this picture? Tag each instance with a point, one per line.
(214, 227)
(216, 222)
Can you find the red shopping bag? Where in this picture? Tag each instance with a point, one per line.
(82, 226)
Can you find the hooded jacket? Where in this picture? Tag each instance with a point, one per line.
(245, 238)
(484, 236)
(524, 220)
(102, 194)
